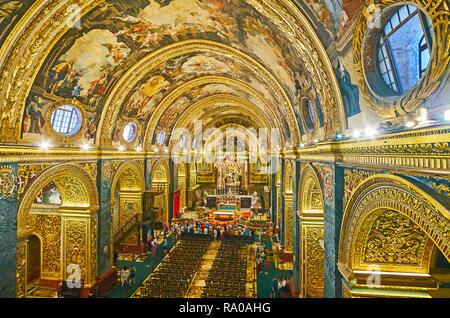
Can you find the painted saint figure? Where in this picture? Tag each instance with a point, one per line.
(350, 92)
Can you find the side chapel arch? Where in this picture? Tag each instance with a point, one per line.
(67, 232)
(127, 189)
(310, 196)
(288, 205)
(161, 180)
(409, 224)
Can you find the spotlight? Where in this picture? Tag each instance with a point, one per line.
(316, 141)
(339, 136)
(356, 133)
(410, 120)
(410, 124)
(138, 148)
(302, 145)
(421, 114)
(370, 131)
(85, 147)
(44, 145)
(121, 148)
(156, 150)
(166, 150)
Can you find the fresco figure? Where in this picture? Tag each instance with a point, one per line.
(49, 195)
(350, 92)
(33, 120)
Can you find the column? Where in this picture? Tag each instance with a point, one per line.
(8, 228)
(296, 227)
(333, 211)
(105, 242)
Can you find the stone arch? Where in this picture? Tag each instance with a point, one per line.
(134, 170)
(160, 179)
(404, 201)
(310, 202)
(128, 185)
(83, 192)
(67, 231)
(182, 182)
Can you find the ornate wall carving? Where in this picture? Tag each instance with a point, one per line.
(381, 192)
(313, 261)
(353, 178)
(289, 218)
(21, 270)
(394, 239)
(311, 233)
(76, 247)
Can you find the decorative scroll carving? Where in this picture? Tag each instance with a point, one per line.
(394, 239)
(49, 228)
(76, 245)
(353, 178)
(91, 168)
(314, 262)
(73, 193)
(381, 192)
(21, 270)
(93, 247)
(288, 216)
(27, 173)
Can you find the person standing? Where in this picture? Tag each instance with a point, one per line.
(215, 234)
(273, 288)
(132, 275)
(259, 264)
(165, 244)
(124, 275)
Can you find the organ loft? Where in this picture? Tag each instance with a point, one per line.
(224, 149)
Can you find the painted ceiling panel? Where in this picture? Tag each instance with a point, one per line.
(88, 61)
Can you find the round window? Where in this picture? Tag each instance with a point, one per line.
(403, 51)
(129, 132)
(161, 137)
(309, 116)
(66, 120)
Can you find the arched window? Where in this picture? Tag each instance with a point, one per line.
(404, 48)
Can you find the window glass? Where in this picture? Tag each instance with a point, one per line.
(404, 49)
(66, 120)
(129, 132)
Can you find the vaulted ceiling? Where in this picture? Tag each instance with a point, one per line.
(163, 64)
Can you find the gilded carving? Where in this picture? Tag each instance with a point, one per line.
(314, 262)
(381, 192)
(394, 239)
(288, 215)
(442, 187)
(76, 245)
(21, 270)
(27, 173)
(353, 178)
(8, 182)
(91, 168)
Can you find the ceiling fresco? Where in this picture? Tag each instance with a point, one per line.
(88, 61)
(10, 13)
(331, 18)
